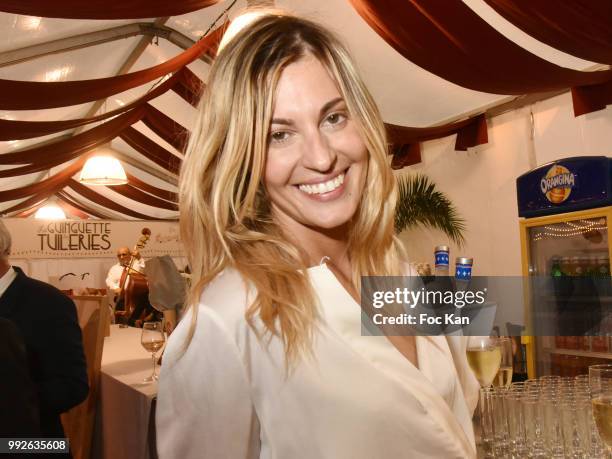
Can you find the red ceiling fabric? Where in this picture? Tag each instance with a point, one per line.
(19, 130)
(406, 155)
(106, 202)
(189, 87)
(72, 211)
(151, 150)
(137, 195)
(582, 28)
(25, 213)
(165, 127)
(29, 203)
(470, 132)
(103, 9)
(448, 39)
(77, 145)
(50, 183)
(38, 199)
(159, 192)
(399, 135)
(73, 202)
(587, 99)
(36, 167)
(35, 95)
(405, 140)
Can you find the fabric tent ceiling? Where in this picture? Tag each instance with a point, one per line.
(450, 41)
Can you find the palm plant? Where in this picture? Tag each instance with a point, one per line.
(419, 203)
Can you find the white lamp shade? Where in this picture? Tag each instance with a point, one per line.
(240, 23)
(50, 212)
(103, 170)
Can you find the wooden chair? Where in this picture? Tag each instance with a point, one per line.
(79, 421)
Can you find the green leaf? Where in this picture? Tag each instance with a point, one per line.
(419, 203)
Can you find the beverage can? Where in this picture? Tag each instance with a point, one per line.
(463, 268)
(441, 253)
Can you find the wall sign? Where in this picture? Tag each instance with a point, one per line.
(100, 238)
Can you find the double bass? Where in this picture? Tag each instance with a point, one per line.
(133, 283)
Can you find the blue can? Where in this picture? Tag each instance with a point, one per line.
(441, 254)
(463, 268)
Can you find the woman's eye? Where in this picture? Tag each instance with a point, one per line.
(279, 137)
(335, 119)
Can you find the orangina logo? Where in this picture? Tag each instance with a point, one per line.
(557, 184)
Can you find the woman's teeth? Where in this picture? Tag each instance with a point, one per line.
(324, 187)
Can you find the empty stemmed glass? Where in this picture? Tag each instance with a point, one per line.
(600, 382)
(152, 340)
(503, 378)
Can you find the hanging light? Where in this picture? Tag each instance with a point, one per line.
(50, 211)
(239, 23)
(103, 169)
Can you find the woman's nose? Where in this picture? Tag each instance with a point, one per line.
(318, 153)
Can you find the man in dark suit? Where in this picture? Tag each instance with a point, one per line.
(47, 322)
(18, 403)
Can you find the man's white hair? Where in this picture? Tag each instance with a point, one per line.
(5, 241)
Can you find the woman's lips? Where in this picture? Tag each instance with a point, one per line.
(326, 191)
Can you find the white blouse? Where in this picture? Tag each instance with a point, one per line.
(228, 395)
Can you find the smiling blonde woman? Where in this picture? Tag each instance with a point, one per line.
(286, 200)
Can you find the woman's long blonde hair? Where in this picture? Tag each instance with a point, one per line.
(224, 210)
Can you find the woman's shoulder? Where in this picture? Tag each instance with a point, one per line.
(225, 300)
(220, 318)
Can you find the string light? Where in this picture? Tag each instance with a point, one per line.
(539, 236)
(577, 228)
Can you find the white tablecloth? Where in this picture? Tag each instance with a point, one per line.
(125, 425)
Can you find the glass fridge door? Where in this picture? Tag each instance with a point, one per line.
(572, 258)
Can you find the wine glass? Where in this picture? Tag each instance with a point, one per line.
(484, 356)
(600, 381)
(152, 339)
(503, 378)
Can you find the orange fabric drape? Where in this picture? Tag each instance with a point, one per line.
(159, 192)
(44, 185)
(103, 9)
(34, 95)
(151, 150)
(189, 87)
(19, 130)
(74, 146)
(105, 202)
(78, 205)
(165, 127)
(140, 196)
(450, 40)
(582, 28)
(405, 140)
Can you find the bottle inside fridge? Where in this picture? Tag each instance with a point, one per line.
(573, 257)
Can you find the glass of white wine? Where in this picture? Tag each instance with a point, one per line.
(503, 378)
(600, 381)
(484, 356)
(152, 339)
